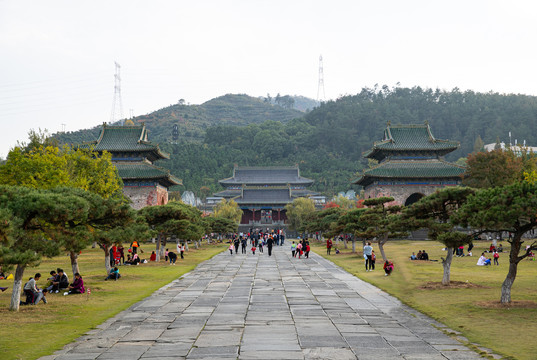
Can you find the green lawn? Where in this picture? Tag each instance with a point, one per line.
(472, 309)
(40, 330)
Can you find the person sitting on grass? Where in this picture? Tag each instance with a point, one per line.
(50, 281)
(77, 287)
(114, 274)
(173, 257)
(34, 293)
(153, 256)
(413, 256)
(388, 267)
(61, 282)
(483, 260)
(424, 256)
(500, 248)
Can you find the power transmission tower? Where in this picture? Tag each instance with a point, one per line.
(321, 79)
(117, 105)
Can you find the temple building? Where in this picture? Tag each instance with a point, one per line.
(263, 192)
(410, 166)
(133, 155)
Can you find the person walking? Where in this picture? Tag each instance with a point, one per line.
(496, 256)
(373, 259)
(236, 243)
(231, 249)
(243, 246)
(307, 251)
(368, 250)
(270, 241)
(299, 249)
(328, 246)
(293, 249)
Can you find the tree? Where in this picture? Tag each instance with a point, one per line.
(220, 225)
(509, 208)
(228, 209)
(434, 212)
(378, 220)
(174, 218)
(324, 220)
(496, 168)
(350, 223)
(42, 165)
(31, 227)
(298, 212)
(478, 144)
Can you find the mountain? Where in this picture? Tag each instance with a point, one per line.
(328, 141)
(193, 120)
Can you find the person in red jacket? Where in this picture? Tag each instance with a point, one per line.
(307, 253)
(328, 246)
(388, 267)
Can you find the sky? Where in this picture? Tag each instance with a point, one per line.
(57, 57)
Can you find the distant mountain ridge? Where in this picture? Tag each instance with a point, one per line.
(193, 120)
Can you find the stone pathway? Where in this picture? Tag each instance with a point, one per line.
(261, 307)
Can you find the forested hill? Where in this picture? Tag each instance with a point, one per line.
(328, 142)
(193, 120)
(356, 121)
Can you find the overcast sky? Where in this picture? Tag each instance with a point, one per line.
(57, 57)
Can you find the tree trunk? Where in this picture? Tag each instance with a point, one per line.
(158, 246)
(381, 247)
(17, 284)
(196, 244)
(186, 245)
(353, 244)
(106, 249)
(446, 263)
(74, 262)
(162, 247)
(345, 243)
(513, 266)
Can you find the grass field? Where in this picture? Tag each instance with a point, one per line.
(40, 330)
(472, 307)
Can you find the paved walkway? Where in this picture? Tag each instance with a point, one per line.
(261, 307)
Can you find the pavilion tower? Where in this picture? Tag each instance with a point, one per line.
(133, 155)
(410, 166)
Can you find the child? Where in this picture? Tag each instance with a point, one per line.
(253, 250)
(293, 249)
(496, 257)
(166, 255)
(182, 251)
(373, 259)
(261, 247)
(231, 249)
(337, 251)
(299, 249)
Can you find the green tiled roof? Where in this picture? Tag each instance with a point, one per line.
(410, 169)
(404, 138)
(144, 171)
(127, 139)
